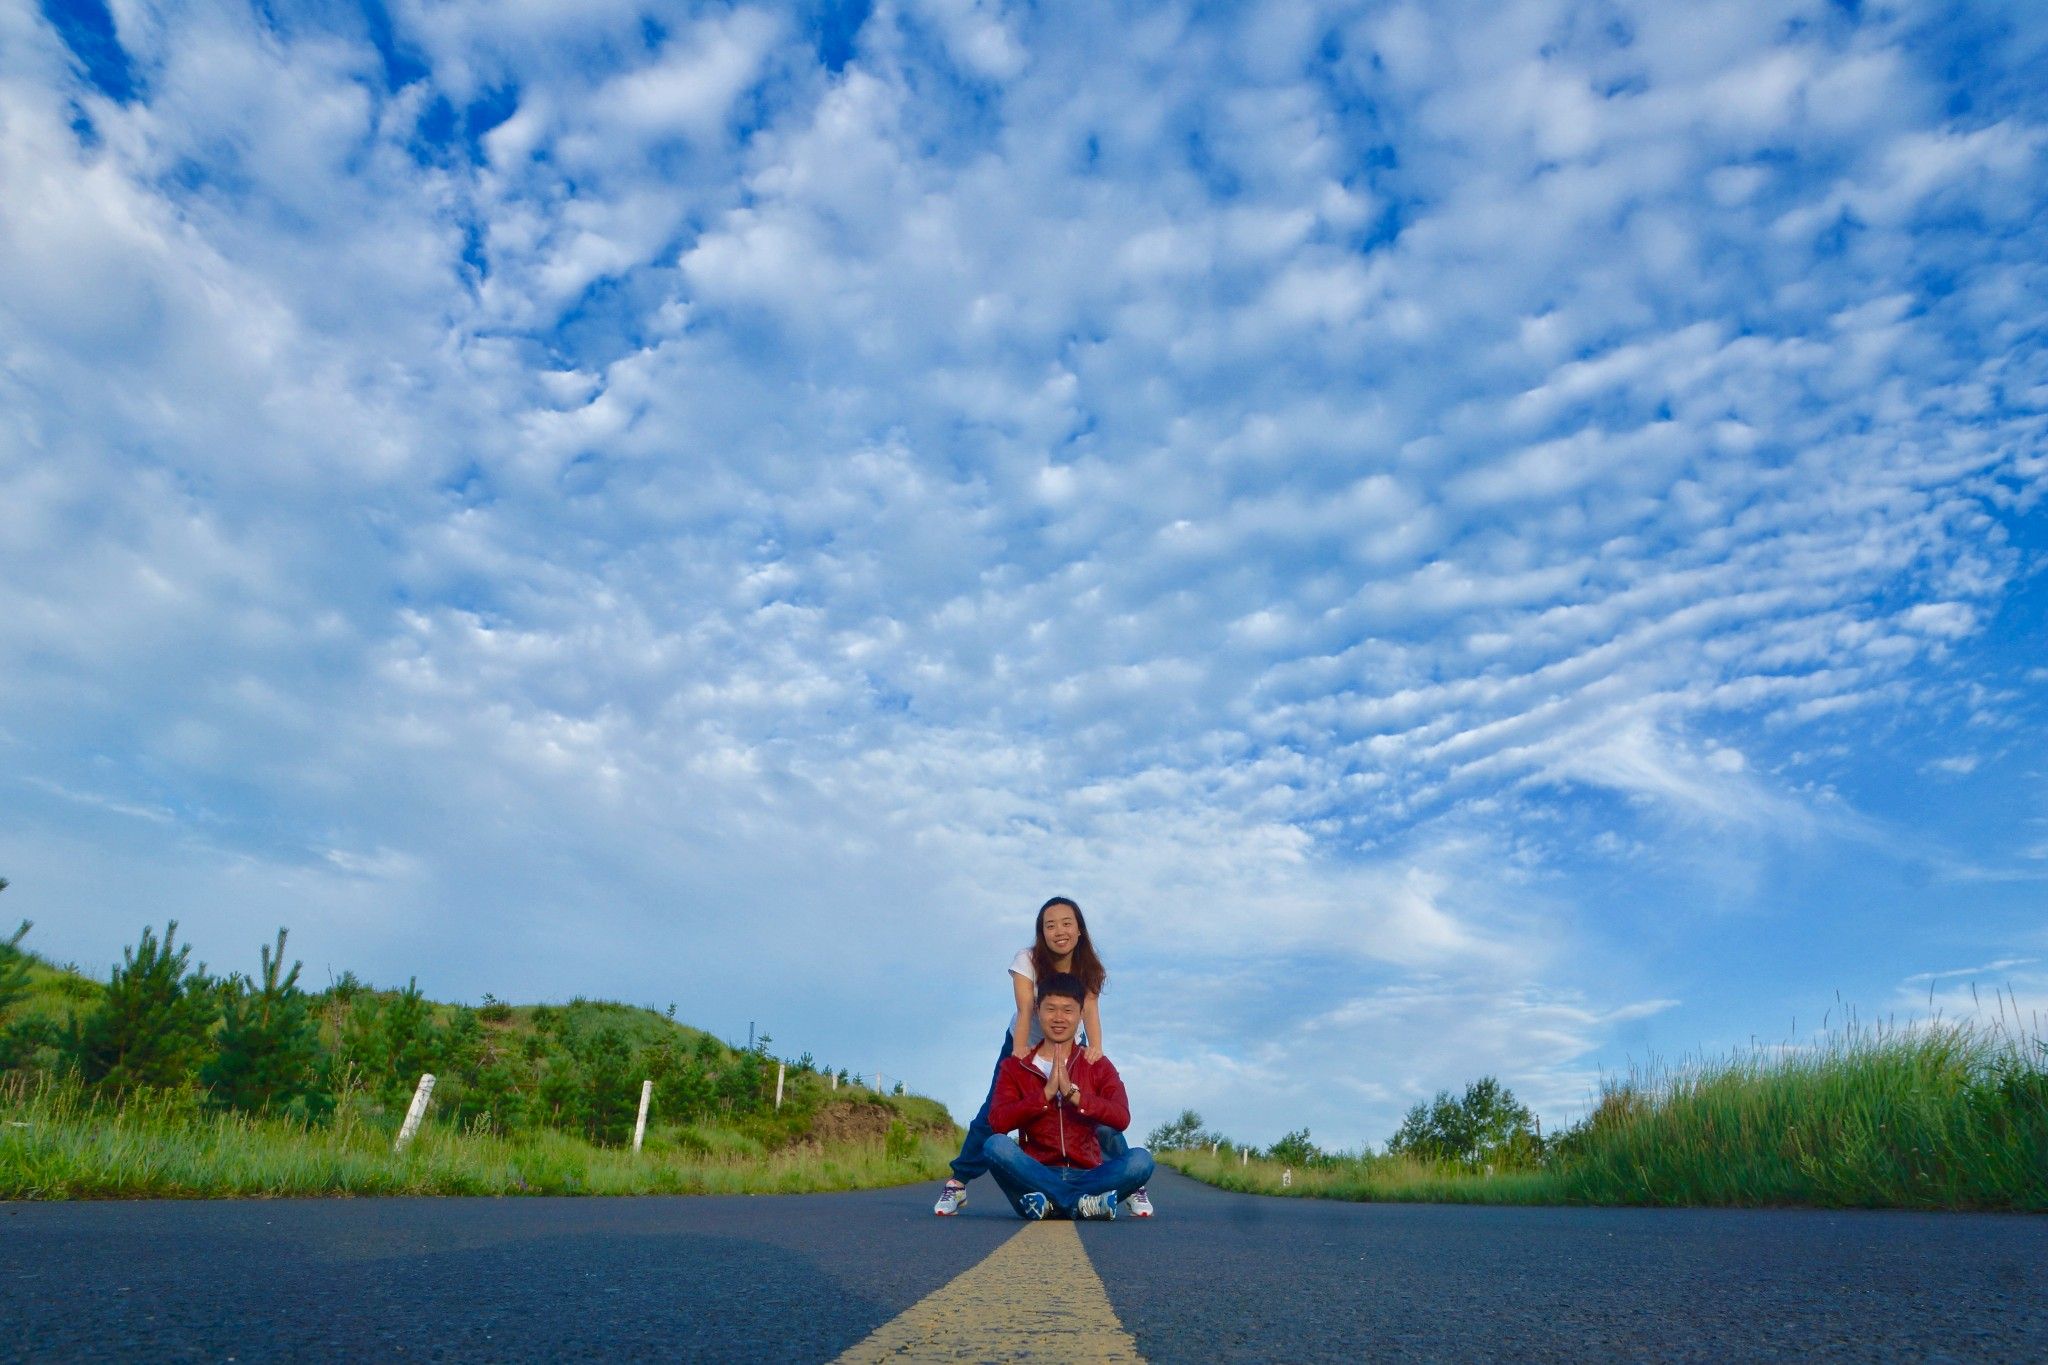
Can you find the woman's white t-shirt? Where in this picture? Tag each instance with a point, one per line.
(1022, 965)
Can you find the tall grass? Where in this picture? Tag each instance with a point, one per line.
(58, 1141)
(1368, 1179)
(1938, 1116)
(1947, 1116)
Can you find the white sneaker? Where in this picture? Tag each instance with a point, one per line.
(1036, 1205)
(1096, 1206)
(950, 1200)
(1140, 1204)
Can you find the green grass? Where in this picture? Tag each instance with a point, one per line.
(58, 1142)
(1367, 1179)
(1948, 1116)
(59, 1139)
(1945, 1117)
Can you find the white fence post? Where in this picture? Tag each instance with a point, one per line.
(418, 1111)
(1244, 1158)
(1286, 1177)
(778, 1085)
(640, 1124)
(835, 1080)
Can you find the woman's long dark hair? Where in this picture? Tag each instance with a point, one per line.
(1087, 965)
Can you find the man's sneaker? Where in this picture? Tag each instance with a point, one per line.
(950, 1199)
(1034, 1204)
(1096, 1206)
(1140, 1204)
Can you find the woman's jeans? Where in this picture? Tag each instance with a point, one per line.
(972, 1161)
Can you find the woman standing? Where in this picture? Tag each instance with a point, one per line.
(1060, 943)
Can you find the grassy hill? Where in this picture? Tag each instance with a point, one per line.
(528, 1099)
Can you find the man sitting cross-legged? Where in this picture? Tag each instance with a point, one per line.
(1054, 1099)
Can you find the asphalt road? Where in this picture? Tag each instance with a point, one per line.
(1215, 1276)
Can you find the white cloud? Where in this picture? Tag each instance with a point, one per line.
(690, 87)
(1258, 480)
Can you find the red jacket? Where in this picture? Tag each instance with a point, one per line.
(1054, 1131)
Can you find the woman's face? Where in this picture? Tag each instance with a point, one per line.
(1062, 930)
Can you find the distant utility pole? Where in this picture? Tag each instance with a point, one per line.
(750, 1035)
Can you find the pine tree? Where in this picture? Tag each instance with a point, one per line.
(16, 1040)
(390, 1042)
(13, 966)
(564, 1090)
(361, 1044)
(268, 1056)
(412, 1044)
(498, 1097)
(610, 1096)
(149, 1028)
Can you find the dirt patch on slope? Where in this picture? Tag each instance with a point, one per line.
(844, 1122)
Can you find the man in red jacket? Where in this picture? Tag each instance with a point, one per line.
(1054, 1167)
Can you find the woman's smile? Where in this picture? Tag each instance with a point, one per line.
(1062, 931)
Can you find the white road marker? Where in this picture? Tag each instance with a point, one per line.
(420, 1095)
(640, 1124)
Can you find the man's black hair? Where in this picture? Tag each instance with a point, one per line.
(1063, 983)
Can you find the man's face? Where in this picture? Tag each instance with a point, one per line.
(1059, 1016)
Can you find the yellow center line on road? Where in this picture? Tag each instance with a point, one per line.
(1035, 1297)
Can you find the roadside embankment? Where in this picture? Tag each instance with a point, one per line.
(57, 1142)
(1937, 1116)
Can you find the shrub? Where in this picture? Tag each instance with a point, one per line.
(17, 1041)
(268, 1053)
(1486, 1124)
(1295, 1149)
(610, 1095)
(13, 966)
(149, 1028)
(496, 1100)
(346, 987)
(391, 1042)
(1182, 1134)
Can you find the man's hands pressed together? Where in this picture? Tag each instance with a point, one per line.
(1059, 1083)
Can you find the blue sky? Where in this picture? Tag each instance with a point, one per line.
(1472, 538)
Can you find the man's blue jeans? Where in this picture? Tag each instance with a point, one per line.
(971, 1163)
(1018, 1174)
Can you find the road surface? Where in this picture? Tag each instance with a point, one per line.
(873, 1275)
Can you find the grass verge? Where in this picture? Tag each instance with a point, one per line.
(1368, 1179)
(1944, 1116)
(57, 1142)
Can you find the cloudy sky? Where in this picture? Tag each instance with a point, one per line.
(1471, 537)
